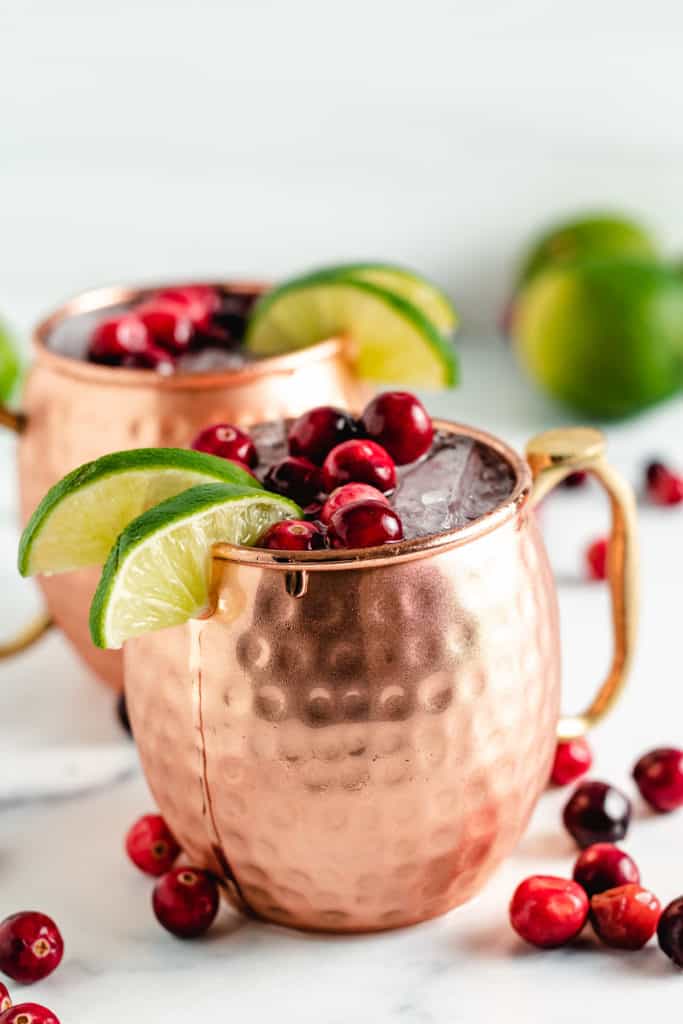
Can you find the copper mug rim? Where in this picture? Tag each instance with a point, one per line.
(117, 294)
(405, 550)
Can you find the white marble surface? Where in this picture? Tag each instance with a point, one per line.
(63, 854)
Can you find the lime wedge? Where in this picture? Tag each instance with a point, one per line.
(9, 364)
(157, 573)
(408, 285)
(393, 341)
(79, 518)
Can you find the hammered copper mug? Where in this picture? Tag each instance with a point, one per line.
(353, 742)
(75, 411)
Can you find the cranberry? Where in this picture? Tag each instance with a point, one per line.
(604, 866)
(151, 845)
(227, 442)
(596, 559)
(572, 759)
(547, 911)
(625, 917)
(5, 1001)
(364, 524)
(230, 318)
(185, 901)
(597, 812)
(154, 357)
(295, 478)
(575, 479)
(400, 423)
(670, 931)
(28, 1013)
(663, 486)
(30, 946)
(347, 495)
(359, 462)
(659, 777)
(320, 430)
(292, 535)
(117, 338)
(167, 325)
(197, 301)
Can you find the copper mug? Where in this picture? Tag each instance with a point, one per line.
(75, 411)
(354, 742)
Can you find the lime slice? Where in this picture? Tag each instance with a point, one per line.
(157, 573)
(394, 341)
(79, 518)
(417, 290)
(9, 364)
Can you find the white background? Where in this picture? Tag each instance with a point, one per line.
(150, 140)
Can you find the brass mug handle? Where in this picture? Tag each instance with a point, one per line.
(16, 421)
(552, 456)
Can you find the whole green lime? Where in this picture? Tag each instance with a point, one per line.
(595, 236)
(605, 337)
(9, 364)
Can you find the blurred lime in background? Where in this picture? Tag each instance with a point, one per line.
(605, 336)
(9, 363)
(599, 235)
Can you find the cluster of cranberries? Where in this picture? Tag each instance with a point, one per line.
(154, 333)
(662, 485)
(185, 899)
(340, 469)
(605, 886)
(31, 947)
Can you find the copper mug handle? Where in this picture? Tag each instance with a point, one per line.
(552, 456)
(16, 421)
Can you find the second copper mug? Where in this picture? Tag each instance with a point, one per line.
(75, 411)
(353, 742)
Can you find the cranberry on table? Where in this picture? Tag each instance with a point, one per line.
(400, 423)
(347, 495)
(28, 1013)
(664, 487)
(151, 845)
(292, 535)
(364, 524)
(670, 931)
(5, 1001)
(604, 866)
(359, 462)
(659, 777)
(547, 911)
(625, 917)
(167, 325)
(31, 946)
(597, 812)
(318, 431)
(185, 901)
(576, 479)
(596, 559)
(118, 337)
(573, 758)
(227, 442)
(294, 477)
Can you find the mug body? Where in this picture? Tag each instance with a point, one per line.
(356, 745)
(76, 411)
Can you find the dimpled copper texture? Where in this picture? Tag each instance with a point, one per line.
(363, 755)
(75, 411)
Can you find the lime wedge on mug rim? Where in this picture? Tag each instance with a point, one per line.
(9, 364)
(79, 518)
(393, 341)
(408, 285)
(157, 574)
